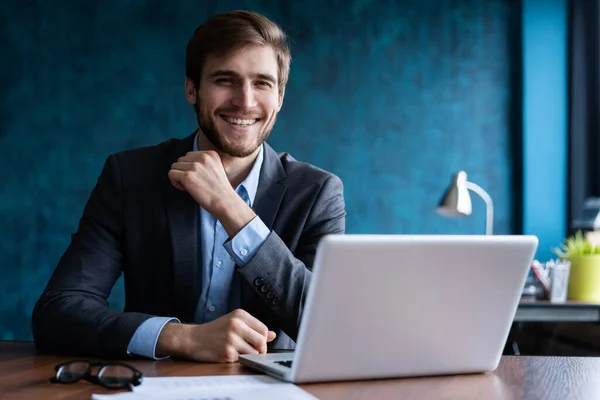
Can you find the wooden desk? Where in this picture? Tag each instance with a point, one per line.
(544, 311)
(24, 375)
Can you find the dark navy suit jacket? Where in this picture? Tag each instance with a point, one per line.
(136, 223)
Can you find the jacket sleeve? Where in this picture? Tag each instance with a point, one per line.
(280, 278)
(72, 315)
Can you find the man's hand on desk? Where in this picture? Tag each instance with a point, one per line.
(221, 340)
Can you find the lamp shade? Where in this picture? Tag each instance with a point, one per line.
(456, 201)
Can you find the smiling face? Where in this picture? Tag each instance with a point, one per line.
(238, 99)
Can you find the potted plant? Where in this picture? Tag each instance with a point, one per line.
(584, 276)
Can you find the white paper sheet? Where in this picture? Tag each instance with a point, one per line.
(234, 387)
(151, 384)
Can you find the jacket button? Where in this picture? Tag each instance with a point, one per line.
(276, 301)
(258, 282)
(265, 288)
(270, 295)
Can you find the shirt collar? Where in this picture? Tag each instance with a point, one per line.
(250, 184)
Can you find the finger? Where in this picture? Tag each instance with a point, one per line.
(254, 339)
(183, 166)
(243, 347)
(175, 178)
(197, 156)
(253, 323)
(271, 336)
(190, 157)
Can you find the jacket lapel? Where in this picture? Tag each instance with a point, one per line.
(267, 201)
(270, 189)
(182, 220)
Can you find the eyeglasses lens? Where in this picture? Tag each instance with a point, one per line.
(72, 372)
(116, 376)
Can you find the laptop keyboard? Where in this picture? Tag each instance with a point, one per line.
(285, 363)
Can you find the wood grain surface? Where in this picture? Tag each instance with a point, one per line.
(25, 375)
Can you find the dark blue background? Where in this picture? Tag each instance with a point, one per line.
(393, 96)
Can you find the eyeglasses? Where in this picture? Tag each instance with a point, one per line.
(110, 375)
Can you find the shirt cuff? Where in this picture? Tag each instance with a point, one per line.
(143, 342)
(246, 243)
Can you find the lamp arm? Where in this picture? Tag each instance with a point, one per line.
(489, 220)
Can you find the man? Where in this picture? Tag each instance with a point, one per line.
(215, 233)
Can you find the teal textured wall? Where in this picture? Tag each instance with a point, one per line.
(393, 96)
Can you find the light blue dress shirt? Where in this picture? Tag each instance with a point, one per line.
(221, 286)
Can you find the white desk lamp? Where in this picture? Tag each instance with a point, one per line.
(456, 201)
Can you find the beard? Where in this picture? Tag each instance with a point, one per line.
(216, 138)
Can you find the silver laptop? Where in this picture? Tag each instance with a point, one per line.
(387, 306)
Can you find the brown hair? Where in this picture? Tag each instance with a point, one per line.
(224, 33)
